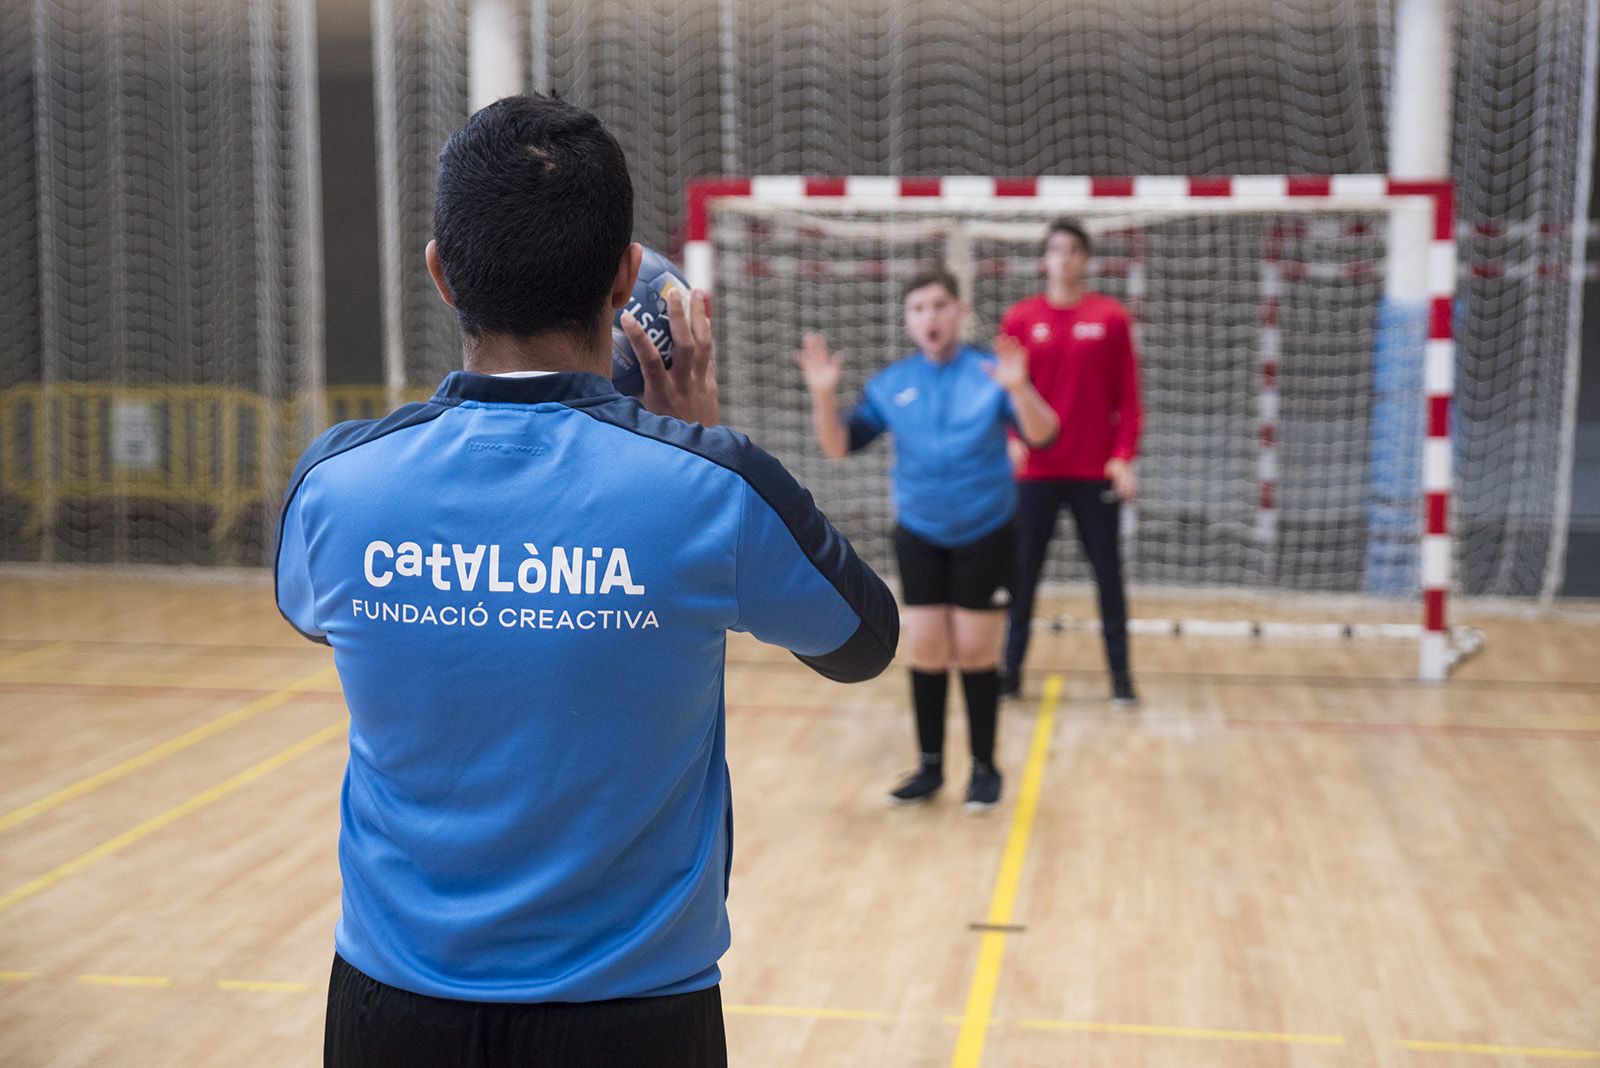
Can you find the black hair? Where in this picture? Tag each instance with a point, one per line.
(929, 275)
(1075, 228)
(532, 213)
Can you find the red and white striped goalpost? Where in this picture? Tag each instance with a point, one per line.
(1434, 269)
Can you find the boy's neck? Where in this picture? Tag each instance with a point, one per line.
(493, 354)
(1065, 294)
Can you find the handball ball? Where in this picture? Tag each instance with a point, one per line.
(648, 304)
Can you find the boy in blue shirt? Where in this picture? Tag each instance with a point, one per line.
(527, 582)
(948, 406)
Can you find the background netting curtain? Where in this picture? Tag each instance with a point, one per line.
(161, 299)
(695, 88)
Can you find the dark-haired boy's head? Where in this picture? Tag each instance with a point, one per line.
(934, 274)
(1072, 228)
(931, 299)
(1066, 253)
(533, 215)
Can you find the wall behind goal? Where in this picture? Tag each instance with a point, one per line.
(701, 87)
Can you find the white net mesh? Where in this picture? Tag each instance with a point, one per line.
(421, 89)
(1214, 295)
(700, 87)
(1520, 159)
(161, 317)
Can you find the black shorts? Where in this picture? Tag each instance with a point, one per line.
(377, 1025)
(976, 575)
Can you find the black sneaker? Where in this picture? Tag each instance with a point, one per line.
(1010, 685)
(1122, 694)
(918, 787)
(983, 792)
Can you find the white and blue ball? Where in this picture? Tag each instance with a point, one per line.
(648, 304)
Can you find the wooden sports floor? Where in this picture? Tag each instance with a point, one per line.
(1289, 855)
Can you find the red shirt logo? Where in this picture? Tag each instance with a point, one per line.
(1041, 332)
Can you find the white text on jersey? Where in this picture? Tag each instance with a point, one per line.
(572, 569)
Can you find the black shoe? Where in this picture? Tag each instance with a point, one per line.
(918, 787)
(983, 792)
(1010, 685)
(1122, 694)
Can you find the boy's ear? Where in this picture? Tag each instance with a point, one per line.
(627, 274)
(436, 269)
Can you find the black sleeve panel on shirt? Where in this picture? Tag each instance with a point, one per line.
(864, 655)
(865, 422)
(862, 433)
(342, 437)
(870, 649)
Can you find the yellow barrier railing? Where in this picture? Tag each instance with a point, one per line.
(214, 446)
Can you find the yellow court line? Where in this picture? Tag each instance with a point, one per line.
(125, 980)
(1502, 1051)
(1183, 1032)
(16, 977)
(166, 680)
(803, 1012)
(986, 977)
(43, 652)
(251, 984)
(165, 749)
(171, 815)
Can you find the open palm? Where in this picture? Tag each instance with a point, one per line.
(821, 368)
(1010, 368)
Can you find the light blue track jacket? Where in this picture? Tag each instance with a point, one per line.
(952, 480)
(527, 584)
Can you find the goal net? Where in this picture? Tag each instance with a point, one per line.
(1294, 346)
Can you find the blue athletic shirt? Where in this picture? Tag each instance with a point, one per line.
(952, 480)
(527, 584)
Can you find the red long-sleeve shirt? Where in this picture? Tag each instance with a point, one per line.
(1082, 360)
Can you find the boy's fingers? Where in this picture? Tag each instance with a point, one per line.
(700, 318)
(683, 338)
(651, 365)
(698, 309)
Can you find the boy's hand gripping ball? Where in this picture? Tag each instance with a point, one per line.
(648, 304)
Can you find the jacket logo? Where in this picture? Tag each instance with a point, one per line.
(571, 569)
(1041, 331)
(1088, 331)
(906, 396)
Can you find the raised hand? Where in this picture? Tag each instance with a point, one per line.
(821, 368)
(688, 389)
(1010, 368)
(1037, 422)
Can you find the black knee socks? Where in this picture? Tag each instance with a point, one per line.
(983, 706)
(930, 690)
(928, 693)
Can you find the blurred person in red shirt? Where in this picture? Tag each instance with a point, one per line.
(1081, 358)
